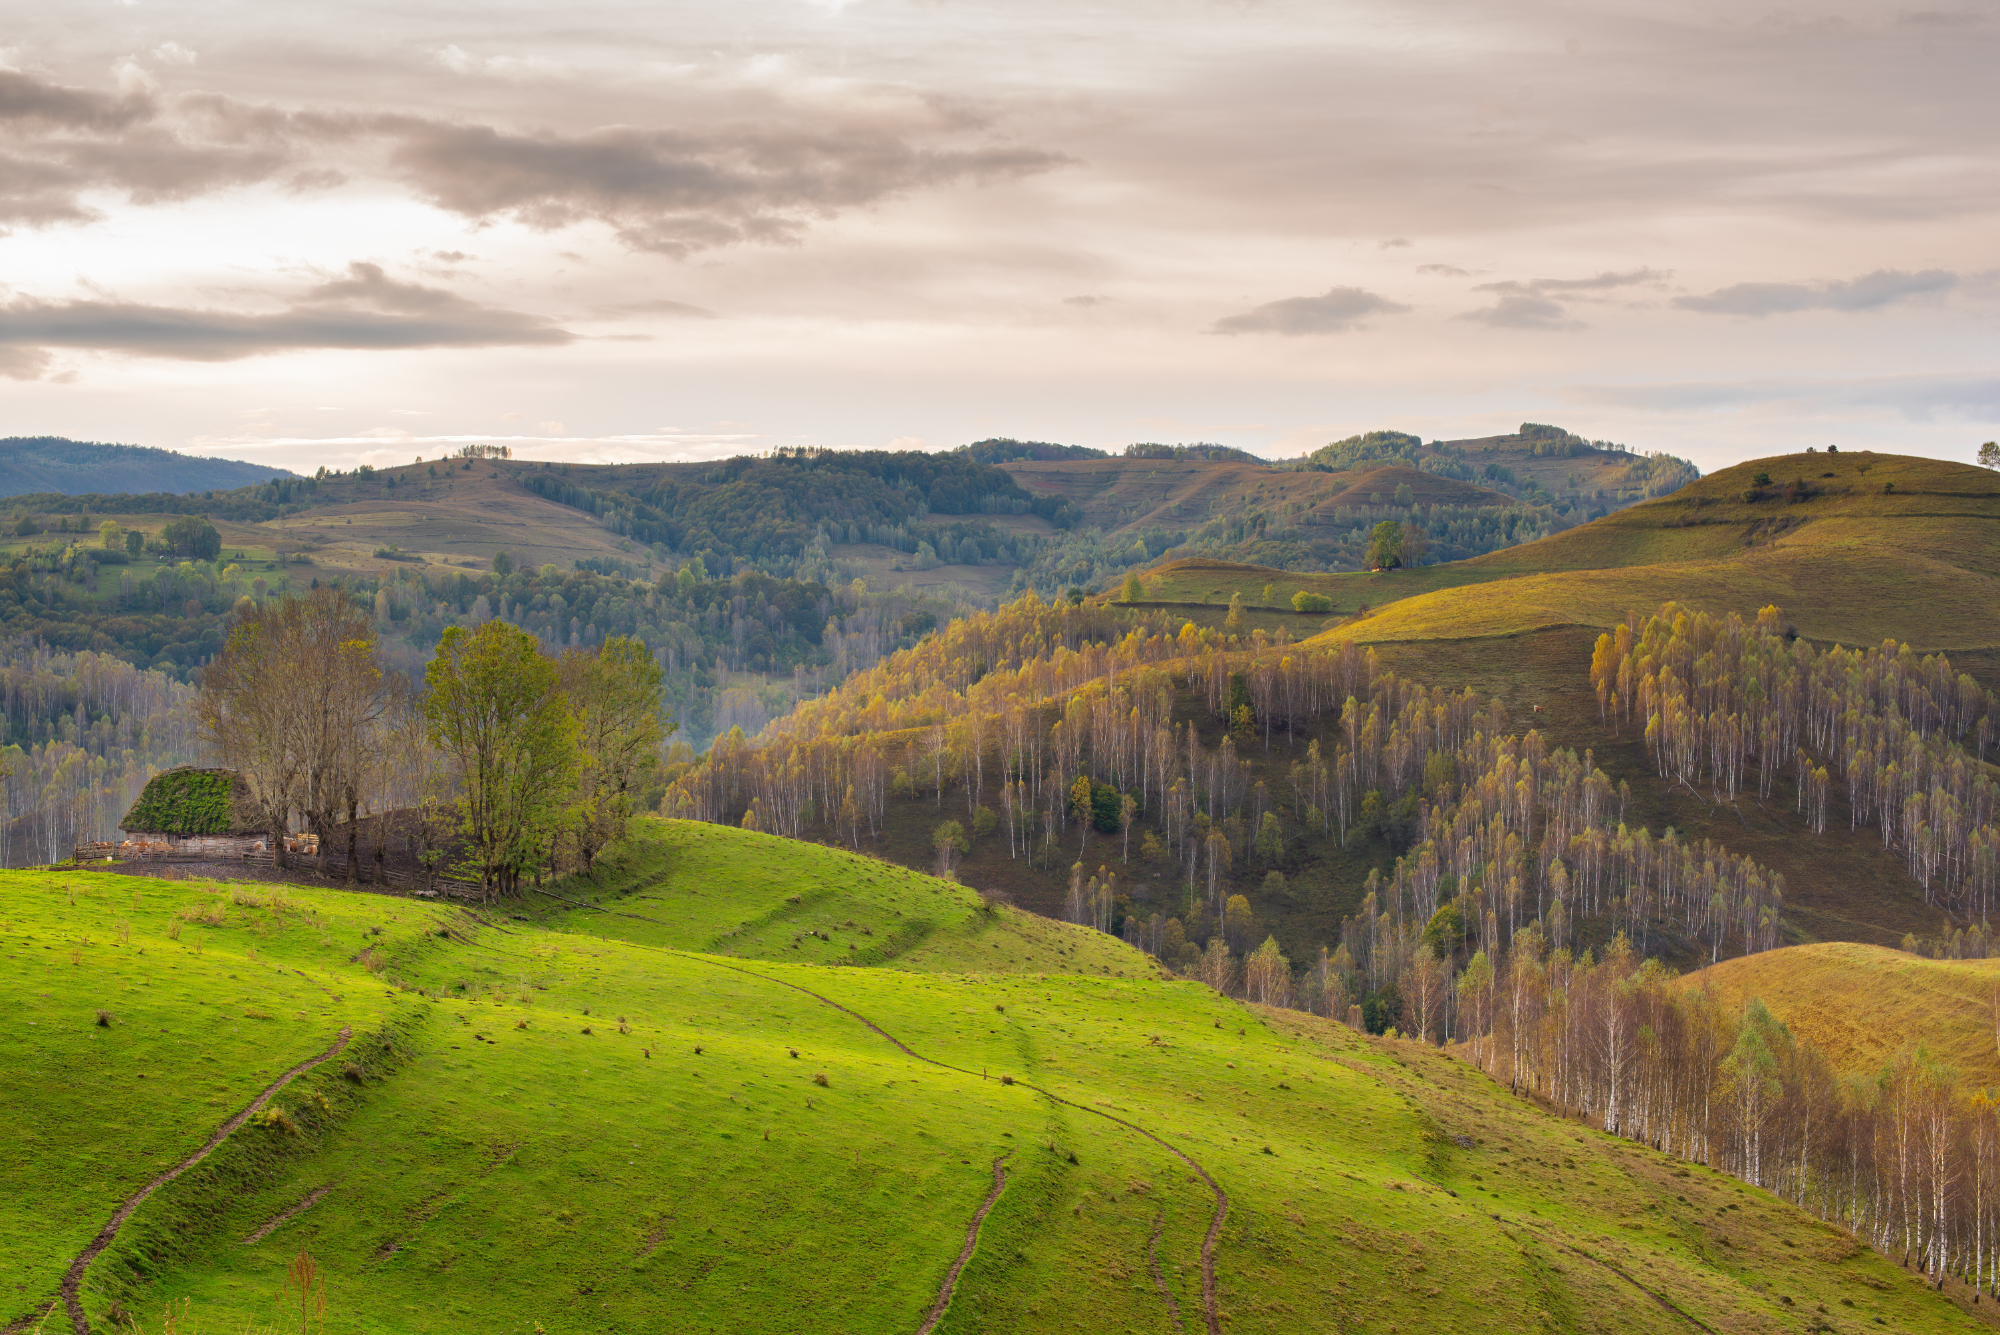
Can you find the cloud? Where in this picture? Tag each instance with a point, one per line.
(678, 191)
(756, 178)
(173, 53)
(1522, 310)
(1869, 292)
(1393, 243)
(364, 310)
(1533, 304)
(629, 309)
(1444, 270)
(1337, 310)
(1086, 299)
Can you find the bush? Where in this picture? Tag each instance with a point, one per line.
(1311, 602)
(274, 1118)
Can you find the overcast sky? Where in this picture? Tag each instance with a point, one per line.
(306, 234)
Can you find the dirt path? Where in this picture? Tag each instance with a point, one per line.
(286, 1216)
(1211, 1309)
(965, 1252)
(72, 1280)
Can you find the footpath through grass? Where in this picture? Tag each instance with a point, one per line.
(568, 1121)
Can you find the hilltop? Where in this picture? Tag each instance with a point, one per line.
(59, 466)
(559, 1118)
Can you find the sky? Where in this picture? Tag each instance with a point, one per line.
(329, 234)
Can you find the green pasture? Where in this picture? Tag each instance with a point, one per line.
(558, 1118)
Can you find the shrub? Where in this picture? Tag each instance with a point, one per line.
(353, 1071)
(819, 1078)
(104, 1019)
(274, 1118)
(1311, 602)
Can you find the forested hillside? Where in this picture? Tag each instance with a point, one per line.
(30, 464)
(1708, 784)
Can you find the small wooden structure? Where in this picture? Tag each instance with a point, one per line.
(189, 811)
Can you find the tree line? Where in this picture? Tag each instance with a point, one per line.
(515, 763)
(1906, 1158)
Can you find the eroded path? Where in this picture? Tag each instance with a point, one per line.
(72, 1280)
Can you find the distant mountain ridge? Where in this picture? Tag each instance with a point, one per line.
(44, 464)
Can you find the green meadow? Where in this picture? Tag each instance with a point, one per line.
(745, 1084)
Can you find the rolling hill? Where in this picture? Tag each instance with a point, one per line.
(1863, 1005)
(54, 464)
(748, 1083)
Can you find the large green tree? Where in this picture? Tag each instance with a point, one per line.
(614, 695)
(496, 708)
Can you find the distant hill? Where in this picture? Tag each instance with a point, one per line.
(1007, 450)
(45, 464)
(1861, 1005)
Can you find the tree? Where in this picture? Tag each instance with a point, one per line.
(135, 542)
(1414, 546)
(1311, 602)
(1239, 923)
(1133, 590)
(292, 702)
(496, 708)
(1233, 623)
(503, 564)
(1989, 454)
(1270, 842)
(110, 536)
(614, 694)
(1385, 546)
(950, 844)
(1267, 975)
(194, 536)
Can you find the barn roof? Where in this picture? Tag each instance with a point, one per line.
(186, 801)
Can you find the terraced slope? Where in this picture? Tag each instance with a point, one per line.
(563, 1121)
(1863, 1005)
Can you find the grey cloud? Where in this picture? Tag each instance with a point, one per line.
(1337, 310)
(26, 100)
(673, 191)
(1533, 305)
(1444, 270)
(65, 142)
(1869, 292)
(1086, 299)
(626, 310)
(1524, 310)
(364, 310)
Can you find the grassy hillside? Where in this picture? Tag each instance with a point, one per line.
(1875, 546)
(558, 1120)
(1862, 1005)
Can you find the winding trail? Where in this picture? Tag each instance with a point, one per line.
(72, 1280)
(965, 1252)
(1211, 1309)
